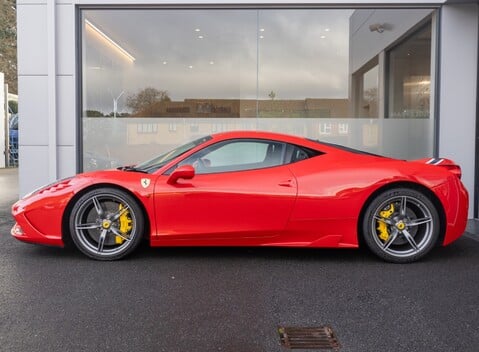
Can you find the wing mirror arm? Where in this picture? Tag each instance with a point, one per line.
(185, 172)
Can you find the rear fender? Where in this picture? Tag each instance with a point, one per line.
(447, 164)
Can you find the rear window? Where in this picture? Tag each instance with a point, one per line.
(347, 149)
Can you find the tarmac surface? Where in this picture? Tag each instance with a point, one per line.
(223, 299)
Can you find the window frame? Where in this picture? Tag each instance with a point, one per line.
(200, 154)
(428, 21)
(79, 84)
(260, 166)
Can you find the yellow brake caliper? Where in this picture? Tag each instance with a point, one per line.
(382, 226)
(125, 225)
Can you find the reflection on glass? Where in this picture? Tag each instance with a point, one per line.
(410, 76)
(187, 63)
(303, 63)
(370, 93)
(155, 78)
(236, 63)
(365, 94)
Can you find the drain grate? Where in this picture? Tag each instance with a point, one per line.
(320, 338)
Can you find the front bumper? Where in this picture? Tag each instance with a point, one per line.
(25, 232)
(38, 220)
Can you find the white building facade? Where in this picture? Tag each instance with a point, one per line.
(116, 82)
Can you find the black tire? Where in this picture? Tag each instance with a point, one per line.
(106, 224)
(401, 225)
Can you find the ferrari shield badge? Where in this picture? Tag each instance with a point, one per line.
(145, 182)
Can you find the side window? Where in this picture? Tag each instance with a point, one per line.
(299, 154)
(295, 153)
(237, 155)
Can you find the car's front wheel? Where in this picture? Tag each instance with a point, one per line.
(401, 225)
(106, 224)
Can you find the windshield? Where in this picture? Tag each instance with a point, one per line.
(159, 161)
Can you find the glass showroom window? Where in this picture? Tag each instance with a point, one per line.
(365, 92)
(410, 76)
(202, 71)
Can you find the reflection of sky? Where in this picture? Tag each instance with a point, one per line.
(298, 54)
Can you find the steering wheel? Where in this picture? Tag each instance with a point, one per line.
(201, 163)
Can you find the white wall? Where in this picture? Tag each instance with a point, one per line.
(46, 85)
(364, 44)
(458, 92)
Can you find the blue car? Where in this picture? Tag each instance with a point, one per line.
(13, 141)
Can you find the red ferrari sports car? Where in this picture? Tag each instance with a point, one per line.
(253, 189)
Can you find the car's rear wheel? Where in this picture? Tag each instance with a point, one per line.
(401, 225)
(106, 224)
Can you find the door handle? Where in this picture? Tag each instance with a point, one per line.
(287, 183)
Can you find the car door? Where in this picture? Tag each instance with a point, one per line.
(241, 190)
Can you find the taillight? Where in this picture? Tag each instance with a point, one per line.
(444, 163)
(455, 169)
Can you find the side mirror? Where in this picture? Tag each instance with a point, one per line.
(186, 172)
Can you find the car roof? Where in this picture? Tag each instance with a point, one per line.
(298, 140)
(260, 135)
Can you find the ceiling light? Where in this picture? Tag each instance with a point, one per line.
(261, 29)
(327, 29)
(323, 37)
(110, 42)
(420, 83)
(261, 36)
(165, 62)
(376, 27)
(200, 37)
(190, 67)
(197, 30)
(212, 62)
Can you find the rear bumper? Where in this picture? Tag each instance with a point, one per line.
(456, 212)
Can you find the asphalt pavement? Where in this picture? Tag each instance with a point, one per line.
(231, 299)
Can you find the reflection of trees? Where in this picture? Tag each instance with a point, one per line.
(13, 106)
(146, 99)
(93, 113)
(370, 100)
(235, 108)
(371, 95)
(96, 113)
